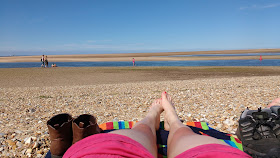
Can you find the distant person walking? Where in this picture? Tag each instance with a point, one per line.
(43, 61)
(133, 62)
(46, 62)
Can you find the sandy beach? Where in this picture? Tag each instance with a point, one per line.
(161, 56)
(113, 59)
(217, 95)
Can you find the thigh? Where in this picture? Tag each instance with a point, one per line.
(142, 134)
(183, 139)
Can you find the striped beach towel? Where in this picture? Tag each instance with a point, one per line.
(201, 128)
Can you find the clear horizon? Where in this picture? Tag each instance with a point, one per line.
(124, 26)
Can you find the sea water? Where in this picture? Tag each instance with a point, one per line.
(266, 62)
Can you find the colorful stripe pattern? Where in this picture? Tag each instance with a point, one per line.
(117, 125)
(201, 128)
(230, 139)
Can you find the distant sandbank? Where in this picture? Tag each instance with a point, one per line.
(162, 56)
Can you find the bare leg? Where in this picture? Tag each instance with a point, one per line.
(144, 131)
(181, 137)
(274, 102)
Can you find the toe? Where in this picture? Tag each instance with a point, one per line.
(158, 101)
(164, 95)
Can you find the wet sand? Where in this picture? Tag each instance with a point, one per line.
(76, 76)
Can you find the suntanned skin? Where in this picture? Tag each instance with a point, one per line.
(144, 131)
(181, 137)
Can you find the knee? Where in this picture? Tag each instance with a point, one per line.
(180, 133)
(184, 131)
(143, 128)
(139, 130)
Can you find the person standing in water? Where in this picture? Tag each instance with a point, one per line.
(133, 62)
(43, 61)
(46, 62)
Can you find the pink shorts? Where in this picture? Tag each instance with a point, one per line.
(213, 151)
(108, 145)
(114, 145)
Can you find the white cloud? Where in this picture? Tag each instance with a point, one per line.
(271, 5)
(93, 46)
(260, 6)
(89, 45)
(243, 8)
(91, 41)
(97, 41)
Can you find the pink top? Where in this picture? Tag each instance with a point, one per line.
(133, 60)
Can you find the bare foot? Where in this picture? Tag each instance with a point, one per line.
(170, 113)
(274, 102)
(155, 110)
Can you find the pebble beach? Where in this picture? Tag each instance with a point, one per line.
(25, 108)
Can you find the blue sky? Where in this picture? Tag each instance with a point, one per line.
(33, 27)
